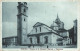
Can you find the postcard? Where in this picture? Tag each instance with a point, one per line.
(36, 26)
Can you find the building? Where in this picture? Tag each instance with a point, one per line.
(21, 26)
(58, 26)
(9, 40)
(41, 34)
(73, 33)
(22, 23)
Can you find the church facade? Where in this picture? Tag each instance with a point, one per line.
(42, 34)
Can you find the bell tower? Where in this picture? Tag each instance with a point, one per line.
(22, 23)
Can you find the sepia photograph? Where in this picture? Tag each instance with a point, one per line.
(39, 25)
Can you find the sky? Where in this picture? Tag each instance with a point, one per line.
(44, 12)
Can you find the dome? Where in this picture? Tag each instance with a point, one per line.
(55, 24)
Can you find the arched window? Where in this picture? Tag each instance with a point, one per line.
(24, 10)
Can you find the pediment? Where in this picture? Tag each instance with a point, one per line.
(38, 24)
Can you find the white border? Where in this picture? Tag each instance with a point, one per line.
(54, 49)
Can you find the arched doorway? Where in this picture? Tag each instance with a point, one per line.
(38, 40)
(31, 40)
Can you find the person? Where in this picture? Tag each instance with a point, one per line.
(47, 46)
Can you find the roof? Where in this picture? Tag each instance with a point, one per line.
(10, 37)
(42, 24)
(57, 20)
(62, 30)
(44, 34)
(39, 24)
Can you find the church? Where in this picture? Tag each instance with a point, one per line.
(41, 34)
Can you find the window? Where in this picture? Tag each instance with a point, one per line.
(24, 10)
(36, 29)
(40, 29)
(24, 19)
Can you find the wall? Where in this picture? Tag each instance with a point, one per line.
(52, 39)
(10, 41)
(43, 29)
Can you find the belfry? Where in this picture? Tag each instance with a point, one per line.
(22, 23)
